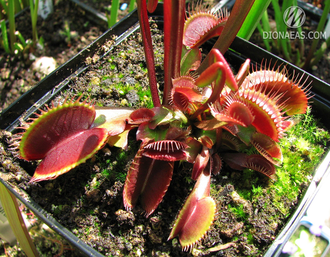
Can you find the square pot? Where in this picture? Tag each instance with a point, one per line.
(60, 78)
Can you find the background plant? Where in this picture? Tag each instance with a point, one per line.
(19, 6)
(14, 216)
(283, 44)
(12, 40)
(112, 12)
(34, 5)
(253, 18)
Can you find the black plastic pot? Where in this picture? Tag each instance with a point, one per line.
(311, 10)
(92, 13)
(240, 50)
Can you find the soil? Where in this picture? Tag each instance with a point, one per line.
(88, 199)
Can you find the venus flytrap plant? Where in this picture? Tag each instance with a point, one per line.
(207, 116)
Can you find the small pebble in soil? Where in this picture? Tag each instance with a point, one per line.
(44, 65)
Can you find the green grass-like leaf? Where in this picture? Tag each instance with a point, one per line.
(14, 216)
(5, 42)
(253, 18)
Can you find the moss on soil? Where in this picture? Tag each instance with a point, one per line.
(251, 208)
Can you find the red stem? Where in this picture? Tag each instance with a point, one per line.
(174, 15)
(148, 50)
